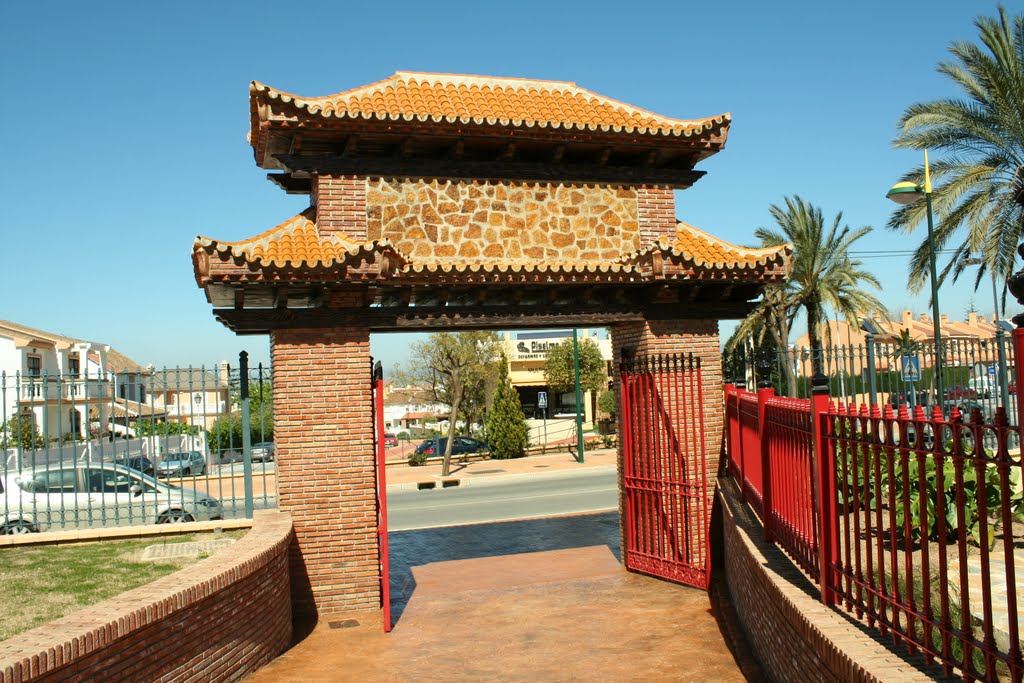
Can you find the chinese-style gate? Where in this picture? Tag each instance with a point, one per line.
(442, 201)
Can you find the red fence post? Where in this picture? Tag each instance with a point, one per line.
(763, 394)
(824, 483)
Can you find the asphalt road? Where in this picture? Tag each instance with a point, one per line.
(504, 498)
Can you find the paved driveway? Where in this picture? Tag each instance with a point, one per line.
(539, 600)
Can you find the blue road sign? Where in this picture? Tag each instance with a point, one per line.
(992, 370)
(911, 368)
(542, 399)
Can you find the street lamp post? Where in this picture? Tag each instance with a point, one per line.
(907, 193)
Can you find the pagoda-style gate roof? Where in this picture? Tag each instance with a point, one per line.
(452, 126)
(538, 137)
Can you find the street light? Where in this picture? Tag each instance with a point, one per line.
(907, 193)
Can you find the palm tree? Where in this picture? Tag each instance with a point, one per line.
(823, 276)
(980, 179)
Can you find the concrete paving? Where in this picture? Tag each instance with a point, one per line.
(536, 600)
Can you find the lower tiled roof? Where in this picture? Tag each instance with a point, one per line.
(297, 245)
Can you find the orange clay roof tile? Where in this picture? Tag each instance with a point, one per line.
(708, 251)
(297, 241)
(436, 97)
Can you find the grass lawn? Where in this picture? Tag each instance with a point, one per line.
(43, 583)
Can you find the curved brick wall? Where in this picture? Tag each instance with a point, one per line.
(218, 619)
(793, 635)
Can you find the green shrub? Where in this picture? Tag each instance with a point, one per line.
(417, 459)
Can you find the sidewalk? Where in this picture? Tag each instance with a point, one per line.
(404, 476)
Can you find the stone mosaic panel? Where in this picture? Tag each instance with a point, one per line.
(493, 222)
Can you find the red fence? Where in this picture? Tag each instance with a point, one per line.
(910, 521)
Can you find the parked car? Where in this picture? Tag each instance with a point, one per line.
(83, 494)
(137, 462)
(463, 445)
(983, 386)
(959, 392)
(187, 464)
(263, 451)
(390, 440)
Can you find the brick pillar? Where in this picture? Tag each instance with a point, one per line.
(699, 337)
(656, 214)
(340, 202)
(323, 433)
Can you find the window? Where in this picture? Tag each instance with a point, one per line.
(52, 481)
(73, 367)
(35, 366)
(109, 481)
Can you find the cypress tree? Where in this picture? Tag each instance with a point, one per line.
(507, 433)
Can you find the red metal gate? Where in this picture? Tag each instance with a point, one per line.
(382, 499)
(666, 511)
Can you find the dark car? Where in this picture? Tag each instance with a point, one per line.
(463, 445)
(138, 462)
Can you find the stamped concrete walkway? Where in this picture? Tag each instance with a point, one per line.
(537, 600)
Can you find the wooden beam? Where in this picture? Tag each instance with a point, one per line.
(497, 169)
(556, 156)
(351, 146)
(605, 155)
(239, 297)
(259, 321)
(509, 152)
(457, 150)
(280, 297)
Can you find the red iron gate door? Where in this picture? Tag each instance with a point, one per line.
(665, 483)
(382, 494)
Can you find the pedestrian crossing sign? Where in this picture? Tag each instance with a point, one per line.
(911, 368)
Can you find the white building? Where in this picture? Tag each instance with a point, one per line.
(58, 381)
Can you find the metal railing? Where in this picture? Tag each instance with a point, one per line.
(175, 452)
(975, 373)
(911, 519)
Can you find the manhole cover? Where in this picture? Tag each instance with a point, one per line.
(191, 549)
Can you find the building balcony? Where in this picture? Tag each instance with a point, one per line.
(63, 389)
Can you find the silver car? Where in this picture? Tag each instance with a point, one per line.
(83, 495)
(187, 464)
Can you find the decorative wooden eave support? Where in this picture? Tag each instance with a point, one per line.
(658, 265)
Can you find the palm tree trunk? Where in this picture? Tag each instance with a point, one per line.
(813, 309)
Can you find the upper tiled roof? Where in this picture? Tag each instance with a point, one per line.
(410, 96)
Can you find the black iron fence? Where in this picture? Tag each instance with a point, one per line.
(964, 374)
(94, 447)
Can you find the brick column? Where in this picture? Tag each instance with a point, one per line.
(340, 205)
(699, 337)
(325, 466)
(656, 214)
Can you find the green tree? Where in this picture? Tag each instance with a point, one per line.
(559, 371)
(606, 401)
(507, 432)
(452, 365)
(226, 432)
(20, 432)
(823, 276)
(980, 179)
(153, 428)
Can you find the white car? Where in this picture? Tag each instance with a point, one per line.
(262, 451)
(83, 495)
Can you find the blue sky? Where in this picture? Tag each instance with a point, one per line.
(124, 128)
